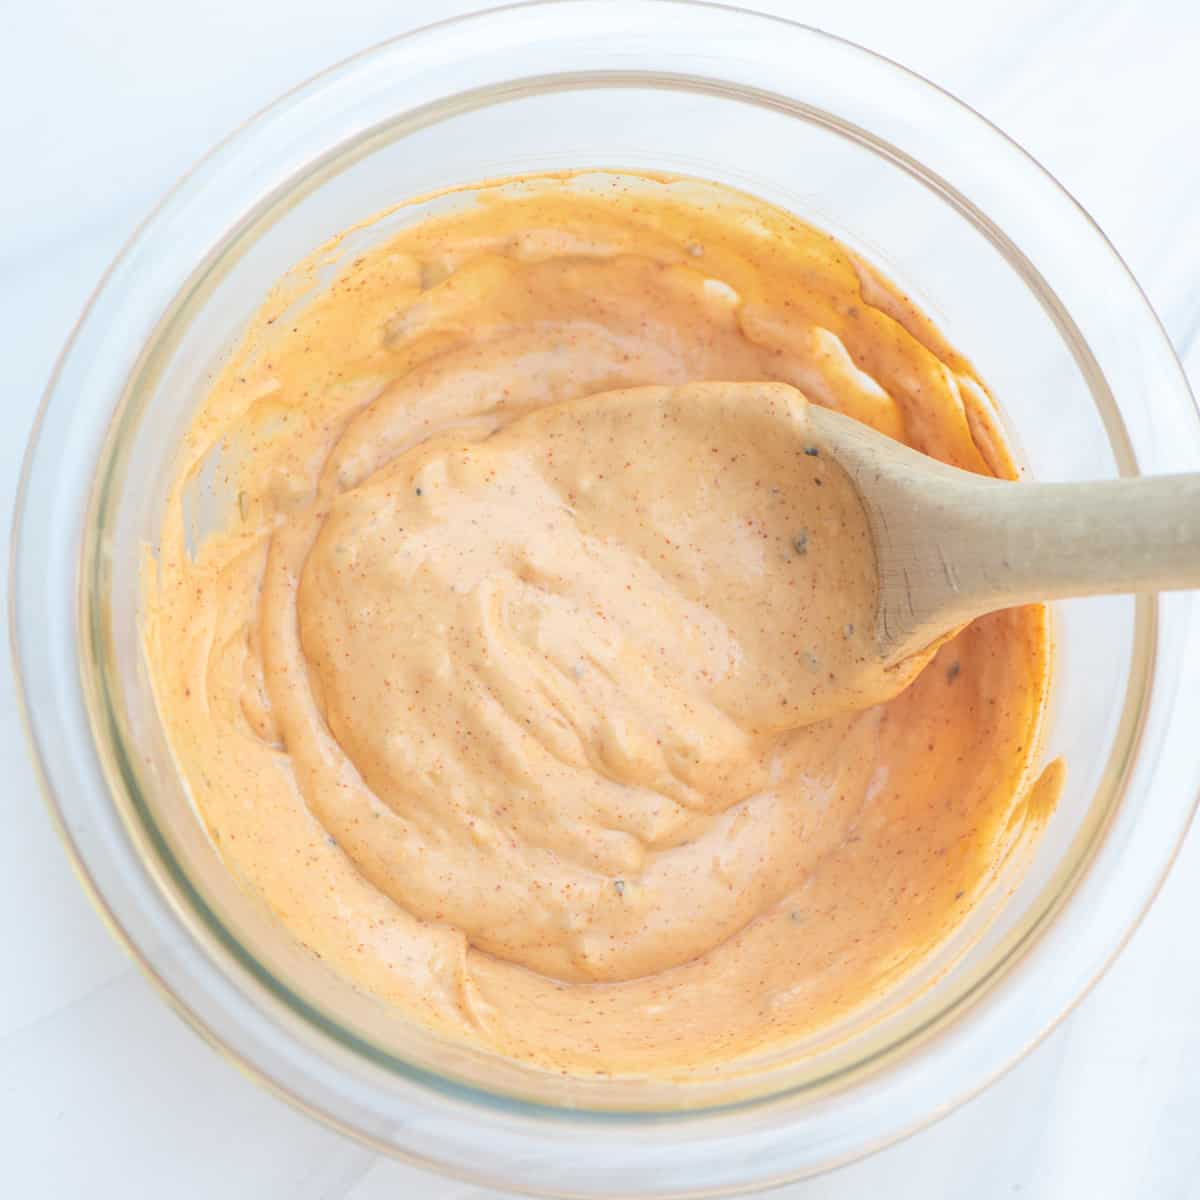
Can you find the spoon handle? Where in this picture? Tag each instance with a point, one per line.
(1045, 541)
(992, 544)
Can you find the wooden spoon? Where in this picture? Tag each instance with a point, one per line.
(951, 545)
(835, 559)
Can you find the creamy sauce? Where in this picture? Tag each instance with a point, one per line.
(515, 696)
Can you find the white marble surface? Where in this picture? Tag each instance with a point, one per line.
(103, 1092)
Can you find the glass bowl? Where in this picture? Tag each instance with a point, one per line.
(1020, 280)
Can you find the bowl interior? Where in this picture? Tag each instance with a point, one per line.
(988, 299)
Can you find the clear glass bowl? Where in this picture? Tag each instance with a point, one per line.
(1020, 280)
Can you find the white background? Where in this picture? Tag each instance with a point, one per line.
(103, 1091)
